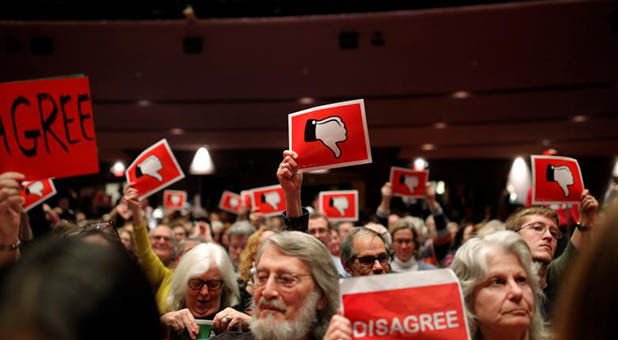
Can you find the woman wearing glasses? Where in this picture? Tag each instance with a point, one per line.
(203, 284)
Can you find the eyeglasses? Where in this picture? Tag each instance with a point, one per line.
(282, 279)
(402, 241)
(102, 227)
(213, 285)
(540, 229)
(367, 261)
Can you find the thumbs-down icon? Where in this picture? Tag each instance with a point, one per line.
(36, 189)
(329, 131)
(411, 182)
(234, 202)
(175, 199)
(272, 198)
(151, 167)
(561, 175)
(340, 203)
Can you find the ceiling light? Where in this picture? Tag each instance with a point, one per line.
(306, 100)
(144, 103)
(579, 119)
(177, 131)
(202, 163)
(118, 169)
(519, 181)
(420, 164)
(440, 125)
(460, 94)
(428, 147)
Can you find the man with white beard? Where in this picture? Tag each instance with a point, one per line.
(296, 290)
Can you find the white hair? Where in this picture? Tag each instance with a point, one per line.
(196, 262)
(471, 267)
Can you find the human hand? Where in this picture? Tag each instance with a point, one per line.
(588, 208)
(290, 179)
(11, 205)
(131, 200)
(387, 191)
(230, 319)
(181, 320)
(339, 328)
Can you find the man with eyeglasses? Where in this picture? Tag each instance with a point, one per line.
(539, 227)
(364, 252)
(163, 243)
(296, 290)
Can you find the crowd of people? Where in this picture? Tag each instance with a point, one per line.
(261, 278)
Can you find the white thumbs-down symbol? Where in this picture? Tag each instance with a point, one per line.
(150, 166)
(340, 203)
(234, 202)
(411, 182)
(272, 198)
(329, 131)
(36, 189)
(175, 199)
(562, 175)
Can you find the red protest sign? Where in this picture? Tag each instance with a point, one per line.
(37, 192)
(411, 305)
(408, 183)
(339, 205)
(154, 169)
(230, 202)
(330, 136)
(47, 128)
(269, 200)
(555, 179)
(246, 199)
(174, 199)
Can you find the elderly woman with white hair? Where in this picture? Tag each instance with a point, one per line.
(203, 285)
(501, 288)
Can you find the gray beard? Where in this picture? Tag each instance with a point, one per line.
(270, 329)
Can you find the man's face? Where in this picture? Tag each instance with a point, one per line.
(236, 246)
(335, 243)
(318, 228)
(542, 244)
(180, 233)
(403, 244)
(204, 301)
(366, 248)
(161, 240)
(283, 282)
(344, 228)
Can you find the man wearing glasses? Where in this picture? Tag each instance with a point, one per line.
(364, 252)
(539, 227)
(296, 289)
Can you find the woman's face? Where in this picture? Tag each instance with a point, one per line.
(504, 300)
(204, 302)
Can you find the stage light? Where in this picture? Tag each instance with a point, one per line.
(202, 163)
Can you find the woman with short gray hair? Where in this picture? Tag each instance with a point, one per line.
(500, 287)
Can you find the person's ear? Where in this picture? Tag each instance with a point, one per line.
(321, 301)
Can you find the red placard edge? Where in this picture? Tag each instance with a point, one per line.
(36, 203)
(336, 192)
(395, 281)
(172, 181)
(532, 161)
(390, 180)
(338, 165)
(250, 192)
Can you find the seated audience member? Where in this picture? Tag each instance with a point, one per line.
(500, 287)
(364, 252)
(296, 290)
(335, 241)
(588, 298)
(247, 259)
(405, 246)
(93, 231)
(163, 242)
(238, 235)
(217, 230)
(202, 228)
(126, 237)
(490, 228)
(380, 229)
(539, 227)
(203, 284)
(319, 227)
(178, 228)
(66, 289)
(344, 228)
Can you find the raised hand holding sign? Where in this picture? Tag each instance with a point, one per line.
(407, 182)
(154, 169)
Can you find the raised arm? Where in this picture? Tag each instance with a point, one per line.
(11, 204)
(291, 180)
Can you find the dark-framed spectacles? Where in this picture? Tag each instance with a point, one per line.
(213, 285)
(540, 229)
(367, 261)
